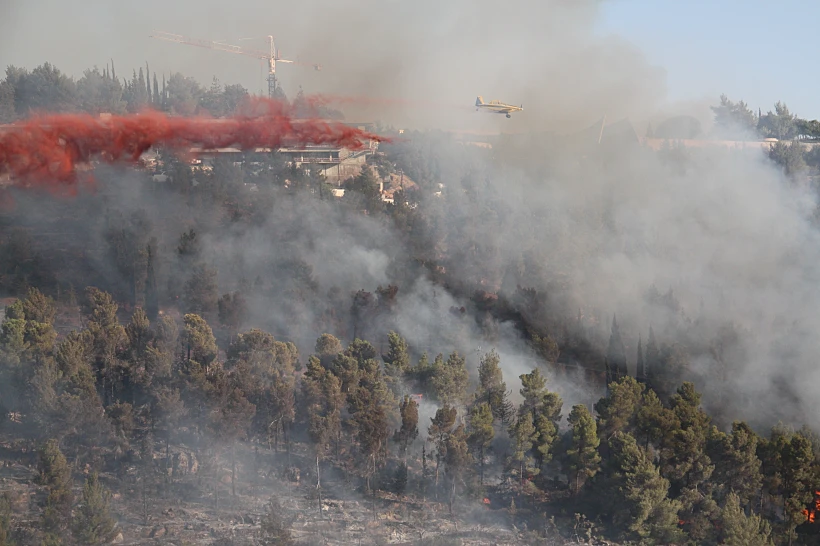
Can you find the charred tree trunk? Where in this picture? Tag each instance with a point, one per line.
(233, 470)
(481, 466)
(144, 503)
(168, 465)
(286, 434)
(452, 496)
(318, 485)
(438, 463)
(577, 479)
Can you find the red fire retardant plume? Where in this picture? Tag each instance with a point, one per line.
(44, 151)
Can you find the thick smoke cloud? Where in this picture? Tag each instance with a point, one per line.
(732, 239)
(545, 55)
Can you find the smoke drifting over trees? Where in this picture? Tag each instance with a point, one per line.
(557, 324)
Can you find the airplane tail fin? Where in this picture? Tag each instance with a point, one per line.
(479, 100)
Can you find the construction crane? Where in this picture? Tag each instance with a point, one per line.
(272, 56)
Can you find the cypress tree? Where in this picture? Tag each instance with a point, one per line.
(616, 353)
(640, 370)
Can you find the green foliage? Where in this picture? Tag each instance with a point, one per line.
(492, 389)
(39, 308)
(780, 124)
(398, 356)
(636, 494)
(582, 459)
(55, 475)
(409, 430)
(93, 524)
(524, 436)
(481, 432)
(738, 529)
(788, 156)
(200, 343)
(618, 410)
(396, 361)
(450, 379)
(734, 119)
(737, 466)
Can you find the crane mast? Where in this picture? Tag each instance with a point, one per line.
(271, 56)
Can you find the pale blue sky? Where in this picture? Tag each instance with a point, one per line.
(757, 51)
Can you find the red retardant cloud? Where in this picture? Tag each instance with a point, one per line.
(44, 151)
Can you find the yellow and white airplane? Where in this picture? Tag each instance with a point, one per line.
(496, 107)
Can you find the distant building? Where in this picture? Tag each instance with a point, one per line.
(337, 164)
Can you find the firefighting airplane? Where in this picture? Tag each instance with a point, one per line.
(496, 107)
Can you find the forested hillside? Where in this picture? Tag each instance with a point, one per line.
(571, 347)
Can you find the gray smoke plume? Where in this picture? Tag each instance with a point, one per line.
(595, 227)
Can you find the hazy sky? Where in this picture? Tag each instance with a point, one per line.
(748, 49)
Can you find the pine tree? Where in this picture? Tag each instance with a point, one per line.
(164, 97)
(652, 359)
(640, 370)
(450, 379)
(547, 423)
(439, 430)
(55, 475)
(148, 84)
(636, 494)
(737, 466)
(409, 424)
(583, 460)
(456, 460)
(491, 387)
(618, 410)
(396, 362)
(738, 529)
(524, 435)
(481, 433)
(93, 523)
(533, 389)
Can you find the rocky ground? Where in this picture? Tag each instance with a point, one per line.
(178, 503)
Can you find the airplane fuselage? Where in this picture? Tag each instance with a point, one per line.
(496, 107)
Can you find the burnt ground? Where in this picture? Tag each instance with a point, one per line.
(187, 499)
